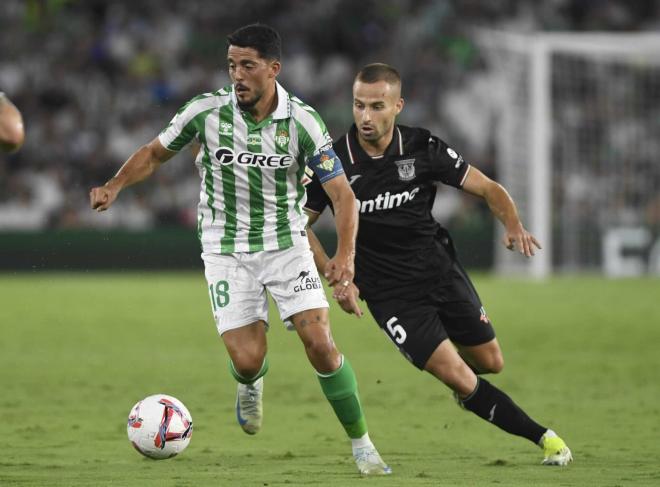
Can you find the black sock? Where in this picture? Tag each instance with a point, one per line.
(491, 404)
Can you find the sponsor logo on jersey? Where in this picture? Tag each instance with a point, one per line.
(226, 156)
(326, 162)
(454, 155)
(254, 139)
(226, 128)
(386, 201)
(305, 282)
(484, 316)
(282, 138)
(406, 169)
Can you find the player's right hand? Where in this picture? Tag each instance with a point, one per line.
(101, 197)
(349, 300)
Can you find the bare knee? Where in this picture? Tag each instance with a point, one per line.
(247, 362)
(323, 354)
(493, 364)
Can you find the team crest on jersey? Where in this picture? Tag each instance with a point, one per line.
(406, 169)
(282, 138)
(226, 128)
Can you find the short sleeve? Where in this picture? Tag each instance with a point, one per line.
(316, 145)
(183, 127)
(447, 165)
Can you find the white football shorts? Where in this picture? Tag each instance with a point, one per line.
(237, 284)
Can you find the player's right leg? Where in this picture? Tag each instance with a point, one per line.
(240, 309)
(248, 364)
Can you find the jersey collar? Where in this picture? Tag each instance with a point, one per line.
(283, 109)
(356, 153)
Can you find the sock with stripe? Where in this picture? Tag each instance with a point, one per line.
(493, 405)
(340, 388)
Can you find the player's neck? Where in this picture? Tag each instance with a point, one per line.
(265, 106)
(377, 147)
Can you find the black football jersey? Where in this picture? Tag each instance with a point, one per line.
(398, 247)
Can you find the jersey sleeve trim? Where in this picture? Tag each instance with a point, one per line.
(307, 208)
(467, 171)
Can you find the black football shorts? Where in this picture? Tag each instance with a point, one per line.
(448, 308)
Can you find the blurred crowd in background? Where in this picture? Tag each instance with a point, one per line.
(97, 79)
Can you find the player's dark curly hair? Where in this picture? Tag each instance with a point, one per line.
(373, 73)
(260, 37)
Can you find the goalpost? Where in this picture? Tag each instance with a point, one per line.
(578, 148)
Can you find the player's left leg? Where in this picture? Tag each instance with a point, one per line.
(493, 405)
(485, 358)
(339, 385)
(293, 281)
(468, 326)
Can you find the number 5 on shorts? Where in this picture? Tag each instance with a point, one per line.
(397, 332)
(219, 294)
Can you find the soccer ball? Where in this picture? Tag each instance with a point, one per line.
(159, 426)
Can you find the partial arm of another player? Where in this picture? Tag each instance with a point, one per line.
(349, 300)
(12, 132)
(341, 268)
(138, 167)
(503, 207)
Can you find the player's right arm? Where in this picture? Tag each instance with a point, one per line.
(12, 133)
(142, 164)
(138, 167)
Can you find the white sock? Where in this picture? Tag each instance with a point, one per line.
(361, 442)
(548, 434)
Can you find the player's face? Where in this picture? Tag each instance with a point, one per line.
(375, 106)
(251, 74)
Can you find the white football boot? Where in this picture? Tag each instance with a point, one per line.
(368, 461)
(249, 406)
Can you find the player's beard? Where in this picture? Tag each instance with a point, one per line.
(248, 104)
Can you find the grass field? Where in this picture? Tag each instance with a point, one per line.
(77, 351)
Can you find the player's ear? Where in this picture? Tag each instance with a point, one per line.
(275, 67)
(399, 105)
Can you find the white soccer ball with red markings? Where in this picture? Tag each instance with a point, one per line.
(160, 426)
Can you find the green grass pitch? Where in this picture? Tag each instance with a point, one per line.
(78, 350)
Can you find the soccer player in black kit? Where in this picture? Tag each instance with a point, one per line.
(406, 266)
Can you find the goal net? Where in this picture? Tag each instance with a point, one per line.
(578, 148)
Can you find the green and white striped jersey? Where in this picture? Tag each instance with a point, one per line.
(251, 194)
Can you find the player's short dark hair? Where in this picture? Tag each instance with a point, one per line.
(373, 73)
(260, 37)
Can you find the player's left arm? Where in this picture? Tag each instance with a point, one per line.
(349, 298)
(340, 269)
(503, 207)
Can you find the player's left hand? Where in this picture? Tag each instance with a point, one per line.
(339, 271)
(349, 302)
(518, 237)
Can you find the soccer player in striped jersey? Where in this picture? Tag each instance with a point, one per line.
(12, 133)
(256, 141)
